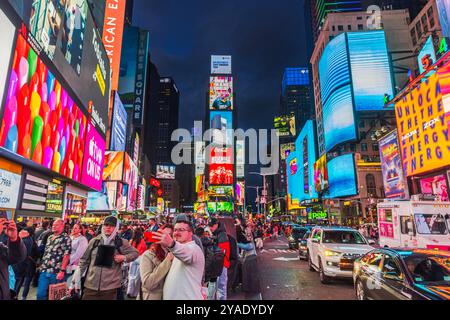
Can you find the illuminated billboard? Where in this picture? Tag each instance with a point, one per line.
(221, 93)
(240, 158)
(435, 186)
(220, 64)
(220, 192)
(41, 121)
(443, 7)
(306, 157)
(199, 157)
(391, 165)
(113, 166)
(131, 177)
(342, 176)
(293, 177)
(240, 193)
(7, 35)
(286, 149)
(321, 174)
(118, 126)
(93, 161)
(335, 84)
(220, 207)
(222, 121)
(221, 166)
(427, 55)
(423, 136)
(370, 69)
(285, 126)
(165, 172)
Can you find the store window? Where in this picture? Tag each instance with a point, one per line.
(371, 184)
(363, 147)
(407, 225)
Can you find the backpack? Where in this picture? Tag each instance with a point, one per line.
(214, 258)
(234, 251)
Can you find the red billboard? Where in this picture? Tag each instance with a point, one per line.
(221, 166)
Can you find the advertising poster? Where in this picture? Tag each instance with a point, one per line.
(220, 192)
(240, 193)
(45, 23)
(55, 197)
(391, 166)
(423, 136)
(221, 166)
(385, 223)
(285, 126)
(122, 196)
(113, 166)
(199, 157)
(99, 201)
(131, 177)
(435, 186)
(293, 181)
(140, 197)
(7, 34)
(72, 32)
(222, 121)
(119, 126)
(221, 93)
(75, 205)
(443, 7)
(94, 155)
(342, 176)
(321, 174)
(220, 64)
(427, 53)
(40, 121)
(220, 207)
(165, 172)
(114, 16)
(286, 149)
(9, 189)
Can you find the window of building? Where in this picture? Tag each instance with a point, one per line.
(359, 18)
(352, 147)
(334, 28)
(349, 27)
(362, 124)
(340, 28)
(360, 27)
(425, 23)
(419, 29)
(362, 135)
(375, 147)
(363, 147)
(371, 184)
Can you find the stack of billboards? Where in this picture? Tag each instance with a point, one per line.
(51, 128)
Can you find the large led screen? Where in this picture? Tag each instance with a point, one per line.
(371, 69)
(218, 207)
(391, 165)
(306, 157)
(119, 126)
(94, 153)
(7, 34)
(427, 51)
(293, 176)
(221, 93)
(165, 172)
(423, 118)
(222, 121)
(220, 64)
(443, 7)
(321, 174)
(342, 176)
(131, 177)
(285, 126)
(40, 121)
(220, 192)
(336, 92)
(221, 166)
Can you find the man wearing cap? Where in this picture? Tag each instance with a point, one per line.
(221, 240)
(102, 263)
(184, 280)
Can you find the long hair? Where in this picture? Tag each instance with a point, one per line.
(137, 237)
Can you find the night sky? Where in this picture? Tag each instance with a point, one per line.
(263, 37)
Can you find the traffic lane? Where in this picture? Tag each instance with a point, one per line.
(284, 277)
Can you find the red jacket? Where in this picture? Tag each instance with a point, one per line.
(141, 247)
(223, 243)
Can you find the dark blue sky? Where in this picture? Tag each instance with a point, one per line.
(263, 36)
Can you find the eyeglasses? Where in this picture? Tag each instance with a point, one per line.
(180, 230)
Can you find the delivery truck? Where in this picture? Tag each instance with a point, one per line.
(414, 224)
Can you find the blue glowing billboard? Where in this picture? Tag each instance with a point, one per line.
(293, 176)
(223, 121)
(306, 157)
(427, 51)
(338, 114)
(119, 126)
(342, 176)
(370, 68)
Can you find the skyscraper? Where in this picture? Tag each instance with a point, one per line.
(321, 8)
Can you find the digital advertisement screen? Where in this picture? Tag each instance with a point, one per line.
(40, 121)
(391, 166)
(342, 176)
(75, 205)
(9, 186)
(435, 186)
(286, 149)
(222, 121)
(220, 191)
(220, 64)
(427, 52)
(285, 126)
(321, 174)
(131, 177)
(221, 93)
(55, 197)
(113, 166)
(199, 157)
(371, 69)
(119, 126)
(165, 172)
(423, 137)
(240, 193)
(221, 166)
(7, 34)
(94, 155)
(293, 177)
(240, 158)
(335, 85)
(99, 201)
(443, 7)
(226, 207)
(306, 157)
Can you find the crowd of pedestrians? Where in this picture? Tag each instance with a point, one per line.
(171, 259)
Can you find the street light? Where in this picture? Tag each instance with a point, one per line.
(264, 185)
(257, 194)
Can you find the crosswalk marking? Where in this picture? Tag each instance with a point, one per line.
(278, 251)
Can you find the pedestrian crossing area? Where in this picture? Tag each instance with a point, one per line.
(274, 251)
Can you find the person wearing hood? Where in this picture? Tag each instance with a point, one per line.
(101, 263)
(221, 240)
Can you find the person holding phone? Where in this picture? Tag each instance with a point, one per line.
(12, 251)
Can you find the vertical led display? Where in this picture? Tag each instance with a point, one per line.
(306, 157)
(370, 69)
(41, 121)
(7, 34)
(221, 93)
(221, 166)
(342, 176)
(222, 121)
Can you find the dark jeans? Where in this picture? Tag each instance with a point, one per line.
(24, 281)
(89, 294)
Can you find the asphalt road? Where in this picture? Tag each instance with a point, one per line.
(284, 277)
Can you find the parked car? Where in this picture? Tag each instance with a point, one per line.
(303, 246)
(403, 274)
(332, 250)
(296, 235)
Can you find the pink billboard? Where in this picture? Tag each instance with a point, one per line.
(94, 154)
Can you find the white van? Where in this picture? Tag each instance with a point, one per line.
(414, 224)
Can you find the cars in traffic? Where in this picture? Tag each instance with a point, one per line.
(332, 251)
(303, 246)
(402, 274)
(296, 235)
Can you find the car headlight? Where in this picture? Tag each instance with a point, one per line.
(330, 253)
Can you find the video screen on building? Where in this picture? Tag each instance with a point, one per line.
(371, 71)
(220, 64)
(165, 172)
(222, 121)
(220, 192)
(293, 177)
(285, 126)
(7, 35)
(342, 176)
(41, 121)
(218, 207)
(321, 174)
(119, 126)
(306, 157)
(221, 93)
(286, 149)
